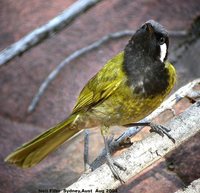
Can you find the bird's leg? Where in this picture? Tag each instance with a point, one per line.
(111, 163)
(86, 150)
(160, 129)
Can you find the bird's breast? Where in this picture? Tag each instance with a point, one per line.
(127, 104)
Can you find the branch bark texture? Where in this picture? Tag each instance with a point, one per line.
(193, 188)
(143, 153)
(40, 34)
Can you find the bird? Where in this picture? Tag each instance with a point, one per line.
(128, 88)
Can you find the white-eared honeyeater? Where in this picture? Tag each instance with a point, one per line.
(129, 87)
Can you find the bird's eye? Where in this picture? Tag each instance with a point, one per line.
(162, 40)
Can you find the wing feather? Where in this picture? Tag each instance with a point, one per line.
(102, 85)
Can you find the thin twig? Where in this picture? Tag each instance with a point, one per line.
(80, 52)
(181, 33)
(40, 34)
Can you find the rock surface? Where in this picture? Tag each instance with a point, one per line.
(21, 78)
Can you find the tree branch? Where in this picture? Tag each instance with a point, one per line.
(143, 153)
(40, 34)
(77, 54)
(194, 187)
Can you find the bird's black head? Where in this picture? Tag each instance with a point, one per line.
(151, 40)
(144, 58)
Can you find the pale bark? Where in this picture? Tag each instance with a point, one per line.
(193, 188)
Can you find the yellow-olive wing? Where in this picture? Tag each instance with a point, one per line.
(102, 85)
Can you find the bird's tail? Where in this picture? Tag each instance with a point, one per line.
(29, 154)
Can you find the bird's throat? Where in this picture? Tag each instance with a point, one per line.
(145, 75)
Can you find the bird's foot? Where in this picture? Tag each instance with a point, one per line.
(113, 165)
(161, 130)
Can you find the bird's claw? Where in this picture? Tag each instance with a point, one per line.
(119, 166)
(161, 130)
(112, 165)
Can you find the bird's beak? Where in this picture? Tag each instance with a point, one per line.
(150, 28)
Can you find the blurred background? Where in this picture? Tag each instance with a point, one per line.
(21, 78)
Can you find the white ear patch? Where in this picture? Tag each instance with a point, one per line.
(163, 51)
